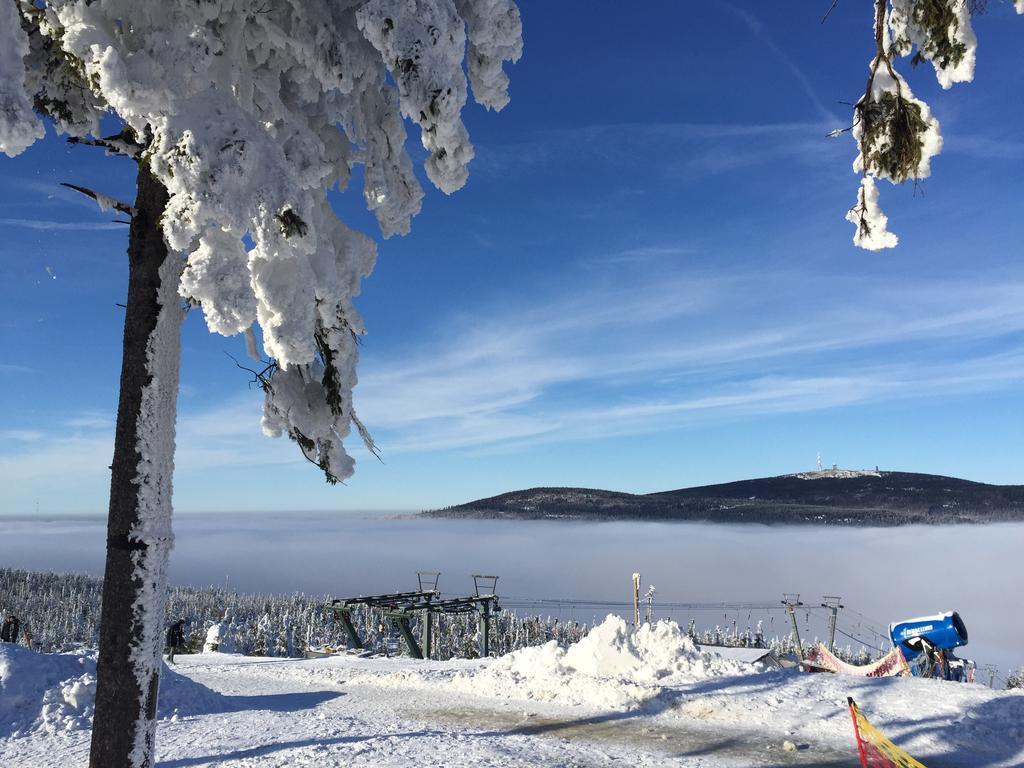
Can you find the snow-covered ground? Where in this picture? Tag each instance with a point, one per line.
(649, 698)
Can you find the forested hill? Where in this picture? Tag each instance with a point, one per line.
(831, 497)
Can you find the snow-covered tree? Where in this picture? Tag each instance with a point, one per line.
(896, 134)
(241, 115)
(1015, 679)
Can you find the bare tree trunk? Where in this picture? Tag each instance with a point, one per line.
(139, 537)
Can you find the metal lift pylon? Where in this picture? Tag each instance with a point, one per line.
(401, 607)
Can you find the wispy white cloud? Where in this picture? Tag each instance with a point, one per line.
(768, 395)
(684, 151)
(43, 225)
(622, 356)
(756, 28)
(982, 147)
(502, 432)
(222, 435)
(90, 420)
(642, 255)
(55, 458)
(657, 354)
(21, 435)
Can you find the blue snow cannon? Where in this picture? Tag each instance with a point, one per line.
(944, 631)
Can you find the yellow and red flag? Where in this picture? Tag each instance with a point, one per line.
(876, 751)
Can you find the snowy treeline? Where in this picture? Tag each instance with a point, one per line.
(779, 645)
(62, 611)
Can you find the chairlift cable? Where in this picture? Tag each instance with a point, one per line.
(860, 640)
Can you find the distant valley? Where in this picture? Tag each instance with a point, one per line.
(827, 497)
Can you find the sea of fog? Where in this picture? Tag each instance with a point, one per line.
(882, 574)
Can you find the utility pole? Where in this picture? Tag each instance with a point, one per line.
(792, 602)
(832, 603)
(636, 600)
(991, 669)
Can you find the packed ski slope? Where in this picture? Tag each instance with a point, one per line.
(646, 698)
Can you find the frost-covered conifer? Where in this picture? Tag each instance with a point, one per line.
(1016, 679)
(896, 134)
(247, 113)
(242, 114)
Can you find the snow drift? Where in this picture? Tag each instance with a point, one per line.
(611, 668)
(55, 692)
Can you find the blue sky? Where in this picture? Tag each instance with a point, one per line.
(647, 284)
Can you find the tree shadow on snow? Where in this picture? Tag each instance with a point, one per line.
(281, 702)
(691, 739)
(738, 684)
(186, 697)
(615, 727)
(666, 700)
(980, 737)
(268, 749)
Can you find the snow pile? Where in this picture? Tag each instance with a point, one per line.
(55, 693)
(68, 706)
(611, 668)
(31, 683)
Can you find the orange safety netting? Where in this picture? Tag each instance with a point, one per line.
(876, 751)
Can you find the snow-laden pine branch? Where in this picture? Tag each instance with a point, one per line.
(249, 112)
(19, 128)
(896, 134)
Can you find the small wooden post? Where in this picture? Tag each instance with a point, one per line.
(636, 599)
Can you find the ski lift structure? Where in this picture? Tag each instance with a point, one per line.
(401, 607)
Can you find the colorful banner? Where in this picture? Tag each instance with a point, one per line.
(891, 665)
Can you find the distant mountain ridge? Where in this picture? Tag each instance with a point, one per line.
(829, 497)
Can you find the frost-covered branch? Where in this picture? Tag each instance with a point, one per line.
(896, 134)
(248, 113)
(122, 143)
(19, 127)
(872, 233)
(105, 202)
(829, 11)
(941, 33)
